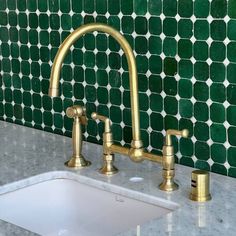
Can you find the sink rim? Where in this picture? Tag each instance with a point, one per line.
(98, 184)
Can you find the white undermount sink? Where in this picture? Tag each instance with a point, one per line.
(67, 207)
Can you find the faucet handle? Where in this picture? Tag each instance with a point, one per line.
(170, 132)
(106, 120)
(77, 111)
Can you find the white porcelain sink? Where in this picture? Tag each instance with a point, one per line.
(67, 207)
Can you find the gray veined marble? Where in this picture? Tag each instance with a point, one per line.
(28, 156)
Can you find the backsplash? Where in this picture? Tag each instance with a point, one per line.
(186, 58)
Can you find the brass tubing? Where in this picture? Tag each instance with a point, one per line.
(152, 157)
(64, 48)
(118, 149)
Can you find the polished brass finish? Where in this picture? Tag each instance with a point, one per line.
(64, 48)
(108, 157)
(200, 182)
(135, 152)
(79, 114)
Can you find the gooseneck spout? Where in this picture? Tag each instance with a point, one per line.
(71, 39)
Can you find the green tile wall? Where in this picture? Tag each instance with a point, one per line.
(186, 58)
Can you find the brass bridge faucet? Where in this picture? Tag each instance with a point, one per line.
(136, 151)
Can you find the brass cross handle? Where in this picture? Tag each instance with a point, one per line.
(77, 111)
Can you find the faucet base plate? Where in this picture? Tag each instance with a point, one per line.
(77, 162)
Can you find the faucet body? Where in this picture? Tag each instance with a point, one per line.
(136, 151)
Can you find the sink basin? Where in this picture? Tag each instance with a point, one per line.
(68, 207)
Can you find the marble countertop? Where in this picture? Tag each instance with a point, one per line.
(29, 156)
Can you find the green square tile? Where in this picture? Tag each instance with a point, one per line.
(144, 123)
(218, 92)
(185, 88)
(169, 46)
(231, 50)
(11, 4)
(89, 59)
(170, 86)
(102, 95)
(217, 112)
(115, 96)
(218, 72)
(8, 110)
(156, 121)
(141, 45)
(5, 50)
(12, 18)
(232, 172)
(155, 64)
(155, 25)
(156, 102)
(156, 140)
(114, 21)
(155, 45)
(231, 29)
(185, 8)
(201, 8)
(232, 8)
(219, 8)
(218, 153)
(47, 118)
(185, 108)
(8, 95)
(53, 5)
(32, 5)
(21, 5)
(43, 6)
(143, 98)
(142, 83)
(185, 28)
(170, 7)
(142, 64)
(170, 27)
(54, 21)
(43, 21)
(170, 66)
(101, 6)
(202, 150)
(201, 131)
(154, 7)
(67, 89)
(202, 165)
(3, 18)
(141, 25)
(218, 30)
(232, 135)
(15, 52)
(185, 69)
(27, 99)
(186, 147)
(220, 169)
(201, 50)
(13, 34)
(17, 111)
(218, 133)
(185, 48)
(4, 35)
(231, 94)
(231, 156)
(217, 51)
(127, 7)
(65, 6)
(201, 71)
(201, 111)
(114, 7)
(33, 20)
(170, 105)
(27, 114)
(155, 83)
(201, 29)
(115, 114)
(66, 22)
(90, 77)
(127, 24)
(78, 91)
(187, 161)
(231, 114)
(140, 7)
(170, 122)
(201, 91)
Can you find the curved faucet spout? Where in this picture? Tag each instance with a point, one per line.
(65, 46)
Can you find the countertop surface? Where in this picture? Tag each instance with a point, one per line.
(29, 156)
